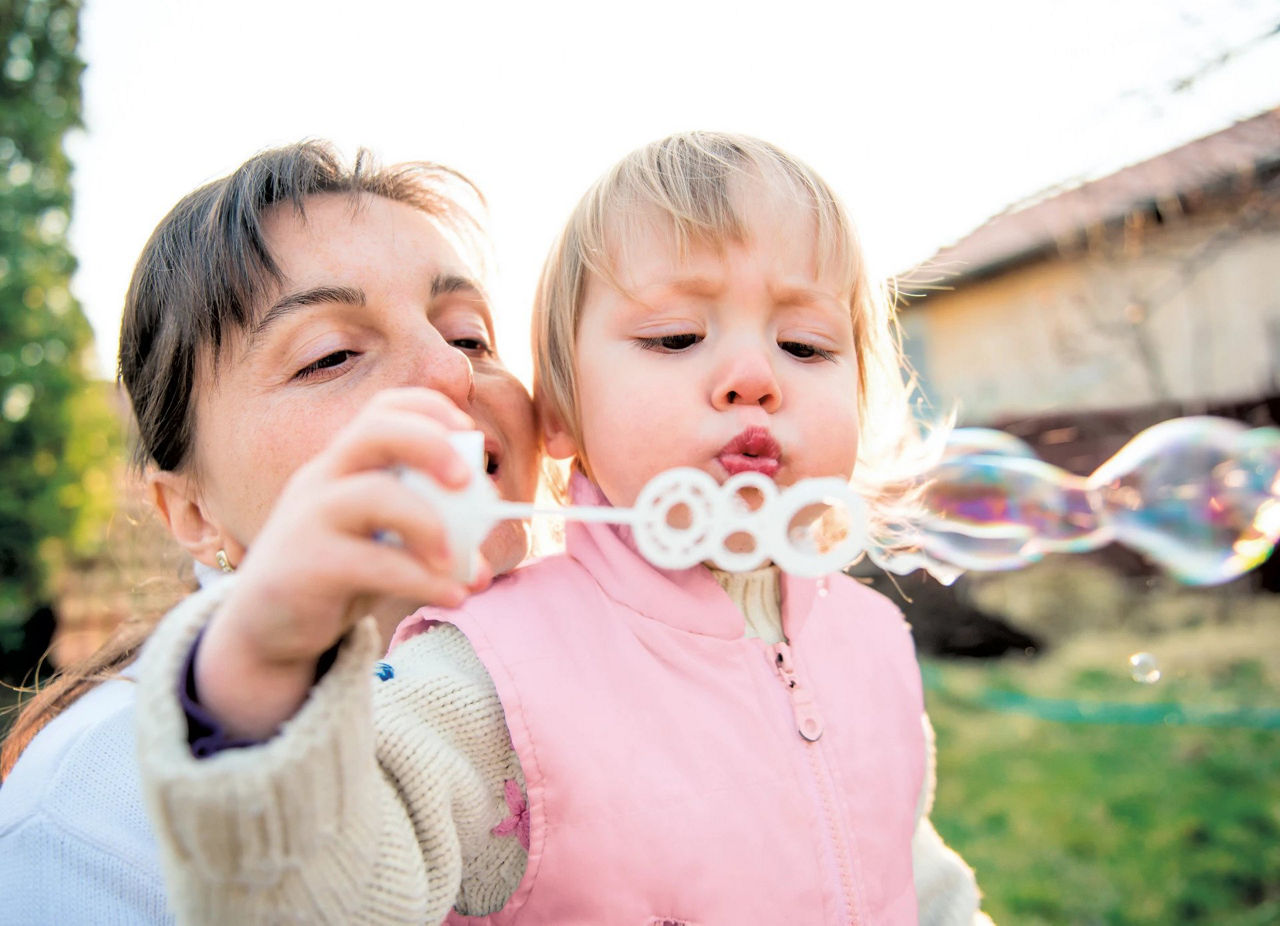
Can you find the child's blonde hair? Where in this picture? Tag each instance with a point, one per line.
(686, 178)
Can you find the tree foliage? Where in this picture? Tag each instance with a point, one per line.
(54, 426)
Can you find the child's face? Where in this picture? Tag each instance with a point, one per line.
(741, 360)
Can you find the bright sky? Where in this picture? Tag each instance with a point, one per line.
(926, 115)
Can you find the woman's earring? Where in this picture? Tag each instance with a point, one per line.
(223, 563)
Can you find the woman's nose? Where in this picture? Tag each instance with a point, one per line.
(747, 377)
(440, 366)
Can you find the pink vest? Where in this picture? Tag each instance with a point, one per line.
(679, 773)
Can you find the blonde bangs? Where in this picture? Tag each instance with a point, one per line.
(692, 181)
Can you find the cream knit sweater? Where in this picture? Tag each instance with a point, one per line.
(341, 820)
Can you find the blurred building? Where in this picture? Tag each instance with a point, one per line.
(138, 573)
(1082, 316)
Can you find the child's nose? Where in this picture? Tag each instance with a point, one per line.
(747, 378)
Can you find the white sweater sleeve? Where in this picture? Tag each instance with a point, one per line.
(946, 889)
(308, 827)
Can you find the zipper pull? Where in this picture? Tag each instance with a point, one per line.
(808, 720)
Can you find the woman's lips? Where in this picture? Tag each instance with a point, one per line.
(754, 450)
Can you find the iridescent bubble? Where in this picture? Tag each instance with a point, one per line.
(993, 512)
(993, 548)
(1197, 495)
(1144, 668)
(903, 562)
(963, 442)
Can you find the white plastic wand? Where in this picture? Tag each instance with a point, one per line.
(714, 523)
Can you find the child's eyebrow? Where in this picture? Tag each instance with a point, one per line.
(803, 294)
(683, 286)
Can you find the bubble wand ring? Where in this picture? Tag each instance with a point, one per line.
(711, 515)
(661, 542)
(742, 521)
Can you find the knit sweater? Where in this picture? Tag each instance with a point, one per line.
(75, 844)
(335, 821)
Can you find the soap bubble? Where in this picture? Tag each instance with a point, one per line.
(1197, 495)
(904, 562)
(992, 512)
(964, 442)
(1144, 668)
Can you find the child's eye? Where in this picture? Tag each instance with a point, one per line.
(328, 362)
(669, 343)
(476, 347)
(806, 351)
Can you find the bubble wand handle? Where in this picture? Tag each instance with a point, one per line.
(517, 511)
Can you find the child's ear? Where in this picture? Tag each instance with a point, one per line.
(180, 507)
(556, 437)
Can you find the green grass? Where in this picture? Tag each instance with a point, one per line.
(1118, 823)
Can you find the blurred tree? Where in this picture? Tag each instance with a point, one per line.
(57, 429)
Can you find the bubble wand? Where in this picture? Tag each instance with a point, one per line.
(681, 517)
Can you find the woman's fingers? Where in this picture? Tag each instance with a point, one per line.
(423, 401)
(365, 507)
(389, 571)
(328, 541)
(395, 437)
(372, 503)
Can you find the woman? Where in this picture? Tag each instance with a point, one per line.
(292, 332)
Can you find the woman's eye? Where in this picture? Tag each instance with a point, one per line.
(327, 362)
(670, 343)
(805, 351)
(474, 346)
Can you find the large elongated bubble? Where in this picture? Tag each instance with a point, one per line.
(1199, 496)
(1010, 511)
(968, 442)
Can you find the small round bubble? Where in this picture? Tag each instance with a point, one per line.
(1144, 668)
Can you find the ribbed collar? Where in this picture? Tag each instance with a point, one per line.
(686, 599)
(757, 594)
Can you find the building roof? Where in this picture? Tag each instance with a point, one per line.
(1056, 222)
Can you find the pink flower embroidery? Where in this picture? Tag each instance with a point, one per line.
(518, 820)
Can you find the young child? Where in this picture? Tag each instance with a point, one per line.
(594, 740)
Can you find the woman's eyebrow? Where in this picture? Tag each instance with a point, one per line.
(444, 283)
(291, 302)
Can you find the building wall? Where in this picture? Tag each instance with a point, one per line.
(1187, 312)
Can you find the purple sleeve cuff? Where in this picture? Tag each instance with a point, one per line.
(205, 735)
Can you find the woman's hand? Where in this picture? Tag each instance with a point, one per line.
(316, 566)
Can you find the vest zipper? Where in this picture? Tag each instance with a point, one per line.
(809, 725)
(808, 720)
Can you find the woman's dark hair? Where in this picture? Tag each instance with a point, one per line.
(207, 266)
(200, 276)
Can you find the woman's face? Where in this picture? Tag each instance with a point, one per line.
(372, 298)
